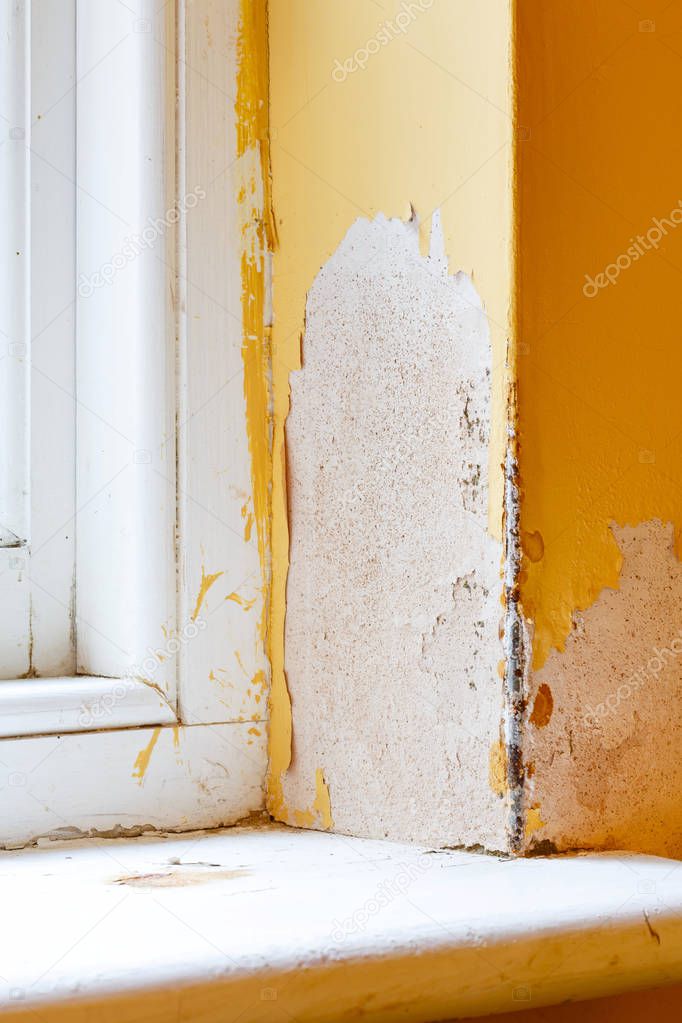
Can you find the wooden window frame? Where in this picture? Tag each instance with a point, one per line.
(162, 724)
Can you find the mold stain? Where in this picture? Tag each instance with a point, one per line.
(144, 756)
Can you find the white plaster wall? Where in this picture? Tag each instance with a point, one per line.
(604, 756)
(392, 644)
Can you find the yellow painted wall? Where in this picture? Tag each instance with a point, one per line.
(599, 158)
(427, 122)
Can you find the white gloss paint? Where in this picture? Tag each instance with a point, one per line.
(125, 488)
(70, 739)
(15, 321)
(269, 923)
(215, 484)
(38, 706)
(131, 780)
(36, 580)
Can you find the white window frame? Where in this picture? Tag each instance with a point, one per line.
(114, 745)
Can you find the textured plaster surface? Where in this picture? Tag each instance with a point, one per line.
(605, 716)
(427, 124)
(392, 645)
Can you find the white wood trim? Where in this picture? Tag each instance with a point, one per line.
(274, 925)
(51, 558)
(138, 779)
(15, 320)
(36, 580)
(125, 495)
(46, 706)
(225, 668)
(165, 776)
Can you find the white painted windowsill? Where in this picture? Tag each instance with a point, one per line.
(268, 923)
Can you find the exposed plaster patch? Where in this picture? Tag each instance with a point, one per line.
(411, 161)
(607, 768)
(394, 589)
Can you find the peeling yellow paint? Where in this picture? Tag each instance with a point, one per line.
(254, 731)
(206, 583)
(242, 601)
(533, 820)
(402, 132)
(248, 527)
(542, 706)
(176, 736)
(247, 515)
(320, 813)
(497, 768)
(259, 237)
(323, 804)
(599, 377)
(144, 756)
(260, 680)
